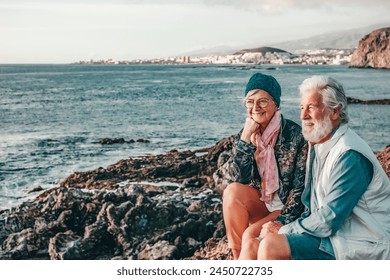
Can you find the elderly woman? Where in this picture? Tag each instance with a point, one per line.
(267, 170)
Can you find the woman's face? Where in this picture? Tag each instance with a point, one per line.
(261, 108)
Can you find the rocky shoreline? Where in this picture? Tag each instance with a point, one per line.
(154, 207)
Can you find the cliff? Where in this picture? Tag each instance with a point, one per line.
(154, 207)
(373, 50)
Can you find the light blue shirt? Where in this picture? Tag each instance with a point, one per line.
(350, 178)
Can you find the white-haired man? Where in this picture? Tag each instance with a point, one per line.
(347, 192)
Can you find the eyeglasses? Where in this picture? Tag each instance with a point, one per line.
(262, 103)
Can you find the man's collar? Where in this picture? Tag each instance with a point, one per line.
(323, 149)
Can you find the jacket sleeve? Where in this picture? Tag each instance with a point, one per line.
(241, 165)
(294, 207)
(351, 175)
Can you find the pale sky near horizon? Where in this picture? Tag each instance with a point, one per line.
(65, 31)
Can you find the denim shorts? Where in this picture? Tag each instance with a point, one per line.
(308, 247)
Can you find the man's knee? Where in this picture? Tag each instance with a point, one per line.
(274, 247)
(266, 247)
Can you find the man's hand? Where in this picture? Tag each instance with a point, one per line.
(270, 227)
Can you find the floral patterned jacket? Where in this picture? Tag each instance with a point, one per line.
(290, 153)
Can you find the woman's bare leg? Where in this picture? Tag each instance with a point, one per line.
(250, 242)
(241, 206)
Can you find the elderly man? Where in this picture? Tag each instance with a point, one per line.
(347, 193)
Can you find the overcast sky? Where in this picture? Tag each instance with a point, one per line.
(64, 31)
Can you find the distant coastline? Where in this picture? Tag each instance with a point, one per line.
(324, 56)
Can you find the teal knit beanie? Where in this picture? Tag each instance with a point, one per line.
(266, 83)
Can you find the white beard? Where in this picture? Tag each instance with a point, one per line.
(319, 130)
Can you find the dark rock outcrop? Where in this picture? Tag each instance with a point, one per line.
(111, 141)
(373, 50)
(384, 159)
(352, 100)
(112, 213)
(130, 222)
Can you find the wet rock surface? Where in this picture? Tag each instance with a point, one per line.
(112, 141)
(352, 100)
(155, 207)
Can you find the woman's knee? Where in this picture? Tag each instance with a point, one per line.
(240, 191)
(232, 193)
(232, 189)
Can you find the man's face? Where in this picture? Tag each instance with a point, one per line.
(317, 125)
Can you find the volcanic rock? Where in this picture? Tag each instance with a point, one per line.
(373, 50)
(154, 207)
(352, 100)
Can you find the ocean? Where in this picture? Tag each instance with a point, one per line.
(53, 116)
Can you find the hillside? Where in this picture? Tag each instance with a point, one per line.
(262, 50)
(373, 50)
(342, 39)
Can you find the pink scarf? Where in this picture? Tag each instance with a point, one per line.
(265, 158)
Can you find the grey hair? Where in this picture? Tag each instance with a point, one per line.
(249, 94)
(332, 93)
